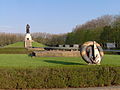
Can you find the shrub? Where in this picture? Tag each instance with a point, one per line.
(14, 51)
(59, 77)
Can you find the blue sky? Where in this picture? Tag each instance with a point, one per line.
(52, 16)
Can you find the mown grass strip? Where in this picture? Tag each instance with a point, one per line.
(26, 61)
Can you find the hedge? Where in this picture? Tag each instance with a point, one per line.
(59, 77)
(14, 51)
(112, 53)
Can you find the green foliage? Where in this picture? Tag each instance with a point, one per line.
(59, 77)
(70, 38)
(81, 36)
(103, 30)
(106, 34)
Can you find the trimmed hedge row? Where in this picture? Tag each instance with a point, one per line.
(112, 53)
(59, 77)
(14, 51)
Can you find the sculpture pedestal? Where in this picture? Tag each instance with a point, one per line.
(28, 41)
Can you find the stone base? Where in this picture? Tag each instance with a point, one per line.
(56, 53)
(36, 49)
(28, 43)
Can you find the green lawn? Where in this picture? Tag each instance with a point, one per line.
(25, 61)
(18, 44)
(21, 45)
(36, 44)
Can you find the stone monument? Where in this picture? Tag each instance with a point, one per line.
(28, 38)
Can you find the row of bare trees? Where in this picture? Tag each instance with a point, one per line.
(9, 38)
(45, 38)
(49, 39)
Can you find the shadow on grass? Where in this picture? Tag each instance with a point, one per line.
(64, 63)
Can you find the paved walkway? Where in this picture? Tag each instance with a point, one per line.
(91, 88)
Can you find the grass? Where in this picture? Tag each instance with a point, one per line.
(18, 44)
(36, 44)
(21, 45)
(25, 61)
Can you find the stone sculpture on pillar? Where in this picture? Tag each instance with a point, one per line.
(27, 28)
(28, 38)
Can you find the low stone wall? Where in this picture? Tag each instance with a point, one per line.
(56, 53)
(36, 49)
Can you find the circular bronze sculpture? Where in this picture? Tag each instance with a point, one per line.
(91, 52)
